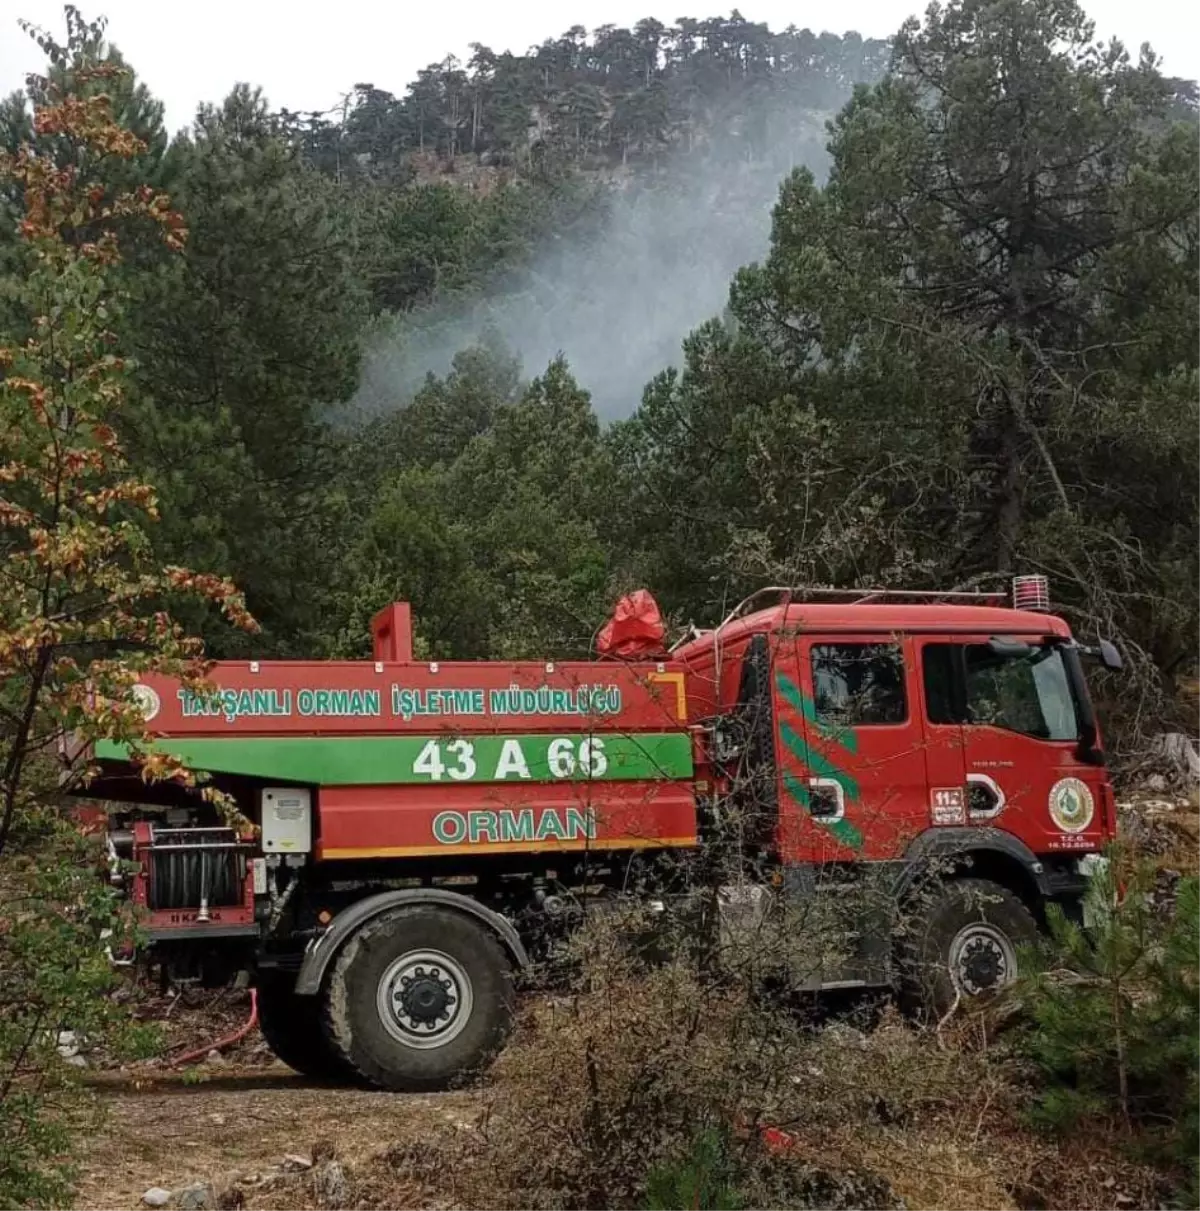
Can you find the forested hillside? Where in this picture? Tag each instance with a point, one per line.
(610, 95)
(676, 139)
(967, 345)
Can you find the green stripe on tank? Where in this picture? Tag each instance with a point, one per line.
(383, 760)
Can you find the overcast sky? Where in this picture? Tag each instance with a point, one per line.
(305, 53)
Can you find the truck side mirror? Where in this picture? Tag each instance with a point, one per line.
(1008, 647)
(1109, 656)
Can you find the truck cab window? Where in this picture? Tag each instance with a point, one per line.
(1029, 694)
(856, 684)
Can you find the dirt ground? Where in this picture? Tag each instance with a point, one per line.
(236, 1129)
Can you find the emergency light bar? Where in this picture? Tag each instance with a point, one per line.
(1031, 593)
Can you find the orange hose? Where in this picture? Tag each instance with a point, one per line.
(237, 1036)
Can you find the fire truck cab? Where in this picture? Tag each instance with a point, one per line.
(896, 736)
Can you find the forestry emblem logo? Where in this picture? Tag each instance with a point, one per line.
(1071, 805)
(148, 701)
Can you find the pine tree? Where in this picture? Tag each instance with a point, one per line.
(702, 1181)
(1115, 1015)
(244, 344)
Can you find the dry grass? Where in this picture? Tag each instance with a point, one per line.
(598, 1087)
(939, 1124)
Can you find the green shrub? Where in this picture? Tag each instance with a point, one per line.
(703, 1180)
(1115, 1019)
(54, 976)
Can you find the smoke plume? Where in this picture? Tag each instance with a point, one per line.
(617, 301)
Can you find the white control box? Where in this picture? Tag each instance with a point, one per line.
(286, 820)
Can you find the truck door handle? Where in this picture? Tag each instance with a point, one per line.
(826, 799)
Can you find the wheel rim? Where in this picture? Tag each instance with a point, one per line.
(424, 999)
(982, 959)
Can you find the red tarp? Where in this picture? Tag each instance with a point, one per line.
(635, 629)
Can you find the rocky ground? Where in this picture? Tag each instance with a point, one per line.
(248, 1137)
(232, 1128)
(1162, 825)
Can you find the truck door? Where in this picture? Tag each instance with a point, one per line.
(1019, 723)
(943, 710)
(850, 748)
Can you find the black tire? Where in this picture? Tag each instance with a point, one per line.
(293, 1029)
(962, 942)
(446, 987)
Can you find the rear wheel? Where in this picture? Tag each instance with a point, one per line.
(965, 943)
(419, 998)
(292, 1027)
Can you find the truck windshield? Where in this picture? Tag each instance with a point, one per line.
(1029, 693)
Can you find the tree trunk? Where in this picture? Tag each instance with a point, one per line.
(1008, 512)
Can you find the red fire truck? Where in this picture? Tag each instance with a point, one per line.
(423, 826)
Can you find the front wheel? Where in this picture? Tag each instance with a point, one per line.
(964, 943)
(419, 998)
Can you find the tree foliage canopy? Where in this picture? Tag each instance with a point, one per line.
(971, 350)
(614, 94)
